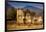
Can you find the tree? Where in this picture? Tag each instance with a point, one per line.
(11, 13)
(32, 16)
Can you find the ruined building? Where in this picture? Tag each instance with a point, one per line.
(26, 17)
(20, 15)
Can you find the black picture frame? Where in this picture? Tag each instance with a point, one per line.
(22, 2)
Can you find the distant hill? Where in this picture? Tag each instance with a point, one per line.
(35, 9)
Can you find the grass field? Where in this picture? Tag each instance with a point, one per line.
(14, 26)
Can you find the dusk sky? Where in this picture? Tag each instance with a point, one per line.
(21, 5)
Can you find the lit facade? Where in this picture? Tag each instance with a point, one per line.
(20, 16)
(29, 20)
(37, 20)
